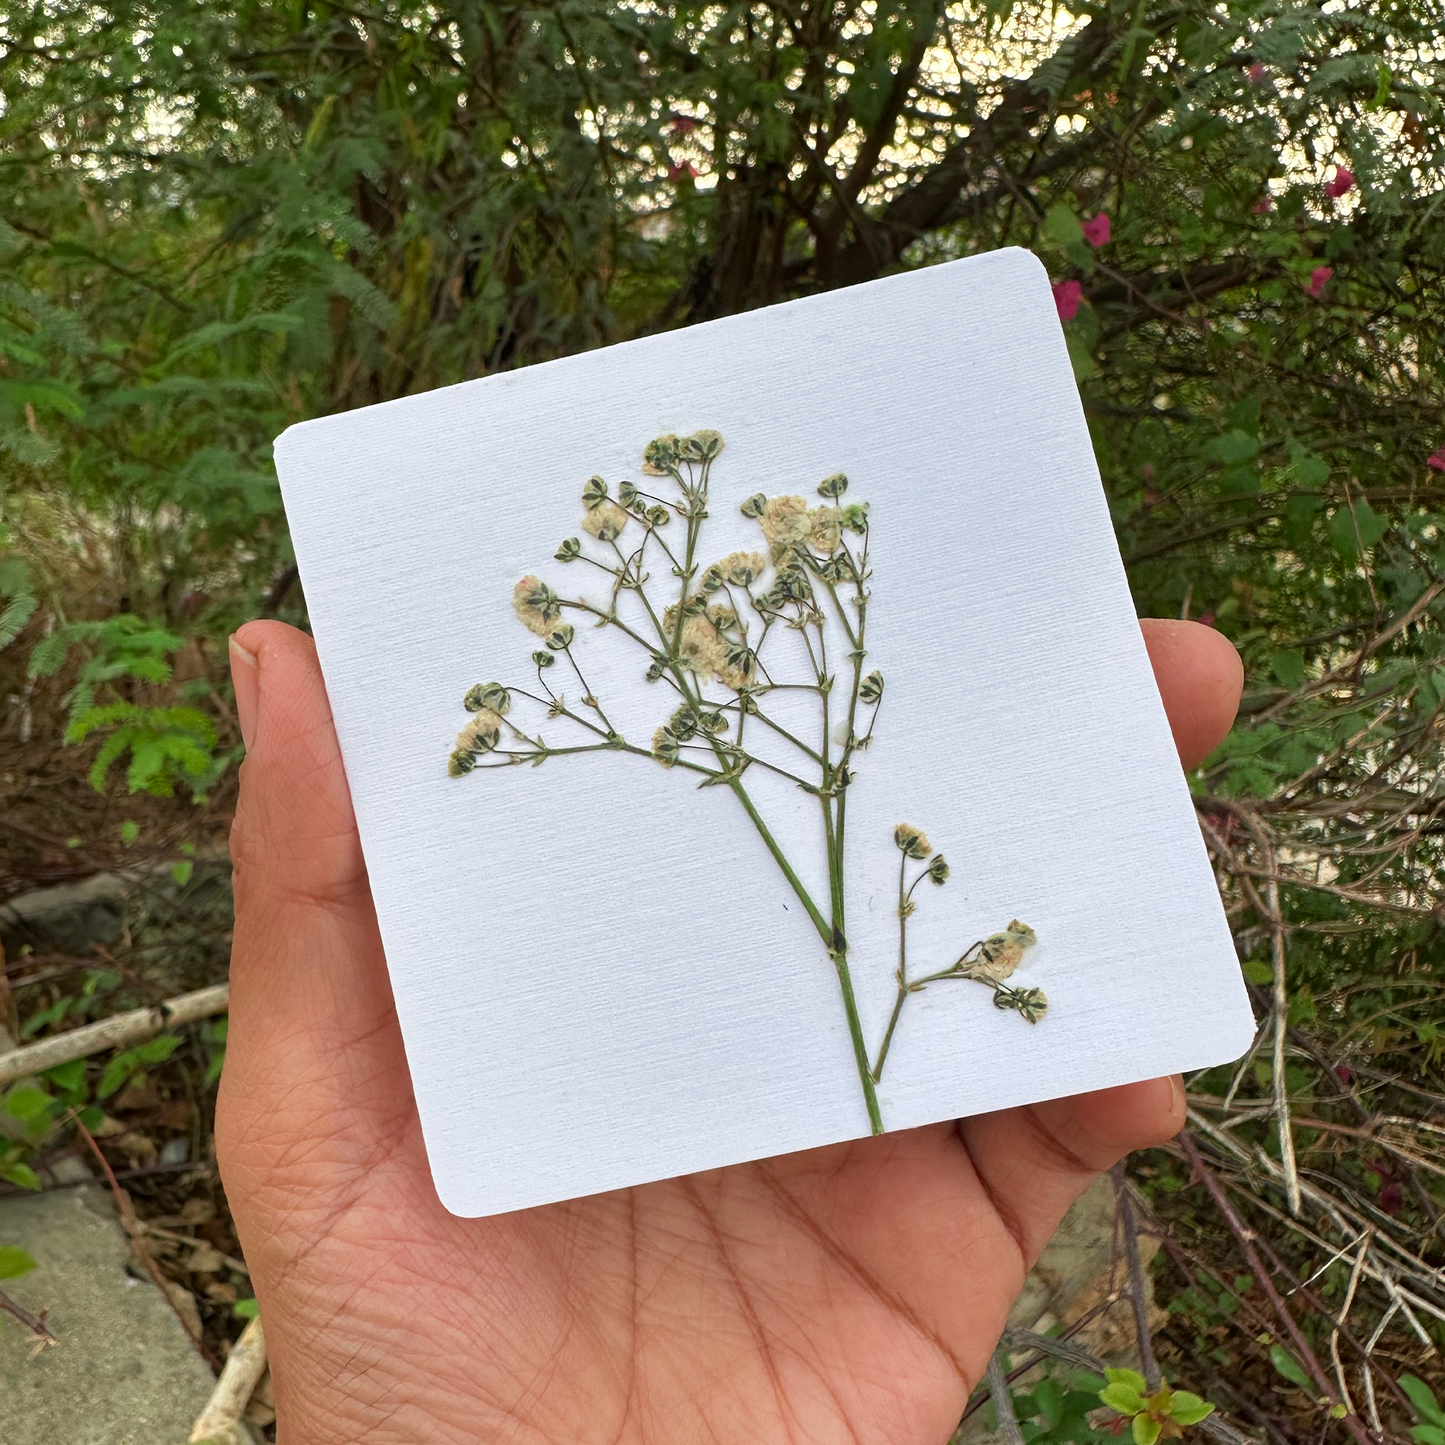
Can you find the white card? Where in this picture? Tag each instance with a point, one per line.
(602, 972)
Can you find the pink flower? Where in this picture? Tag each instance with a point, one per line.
(1067, 295)
(1264, 204)
(1341, 182)
(681, 170)
(1206, 619)
(1319, 279)
(1437, 461)
(1257, 71)
(1344, 1073)
(683, 124)
(1097, 230)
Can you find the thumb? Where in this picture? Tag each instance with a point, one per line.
(313, 1050)
(294, 837)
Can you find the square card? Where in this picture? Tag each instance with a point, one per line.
(662, 673)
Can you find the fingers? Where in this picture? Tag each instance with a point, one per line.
(312, 1037)
(1036, 1160)
(1200, 679)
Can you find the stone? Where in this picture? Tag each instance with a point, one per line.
(65, 919)
(125, 1372)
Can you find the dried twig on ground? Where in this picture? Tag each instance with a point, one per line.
(121, 1032)
(32, 1322)
(219, 1422)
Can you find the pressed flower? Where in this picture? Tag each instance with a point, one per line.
(481, 734)
(825, 526)
(694, 633)
(1067, 296)
(1001, 953)
(537, 605)
(785, 523)
(742, 569)
(605, 521)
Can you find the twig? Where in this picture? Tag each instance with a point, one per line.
(136, 1230)
(1137, 1296)
(1244, 1237)
(120, 1032)
(219, 1422)
(1003, 1402)
(1280, 1010)
(34, 1323)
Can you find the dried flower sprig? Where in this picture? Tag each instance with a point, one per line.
(705, 642)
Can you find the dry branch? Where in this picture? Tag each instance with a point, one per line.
(219, 1422)
(121, 1032)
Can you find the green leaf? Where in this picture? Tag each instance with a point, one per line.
(1121, 1397)
(1422, 1397)
(1288, 666)
(1188, 1408)
(15, 1261)
(1232, 447)
(116, 1073)
(129, 832)
(67, 1076)
(21, 1175)
(1132, 1378)
(1063, 226)
(1257, 971)
(28, 1103)
(1286, 1364)
(1427, 1434)
(1146, 1429)
(157, 1050)
(181, 872)
(245, 1309)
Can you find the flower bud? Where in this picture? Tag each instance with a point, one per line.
(626, 493)
(594, 491)
(870, 690)
(913, 842)
(833, 486)
(658, 516)
(570, 548)
(656, 668)
(938, 871)
(561, 639)
(754, 505)
(460, 764)
(708, 443)
(543, 659)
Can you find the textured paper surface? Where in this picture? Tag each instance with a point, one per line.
(601, 976)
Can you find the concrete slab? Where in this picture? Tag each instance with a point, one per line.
(124, 1373)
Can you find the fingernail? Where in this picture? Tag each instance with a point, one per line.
(246, 679)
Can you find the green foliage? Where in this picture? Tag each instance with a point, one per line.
(14, 1261)
(1431, 1429)
(129, 1066)
(1153, 1414)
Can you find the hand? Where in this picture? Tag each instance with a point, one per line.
(852, 1293)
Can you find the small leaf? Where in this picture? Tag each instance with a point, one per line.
(181, 872)
(1423, 1399)
(1132, 1378)
(1257, 971)
(1146, 1429)
(15, 1261)
(1063, 226)
(245, 1309)
(1123, 1398)
(1288, 666)
(1188, 1408)
(1290, 1368)
(21, 1175)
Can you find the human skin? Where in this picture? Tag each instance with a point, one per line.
(852, 1293)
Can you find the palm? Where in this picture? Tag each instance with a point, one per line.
(848, 1293)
